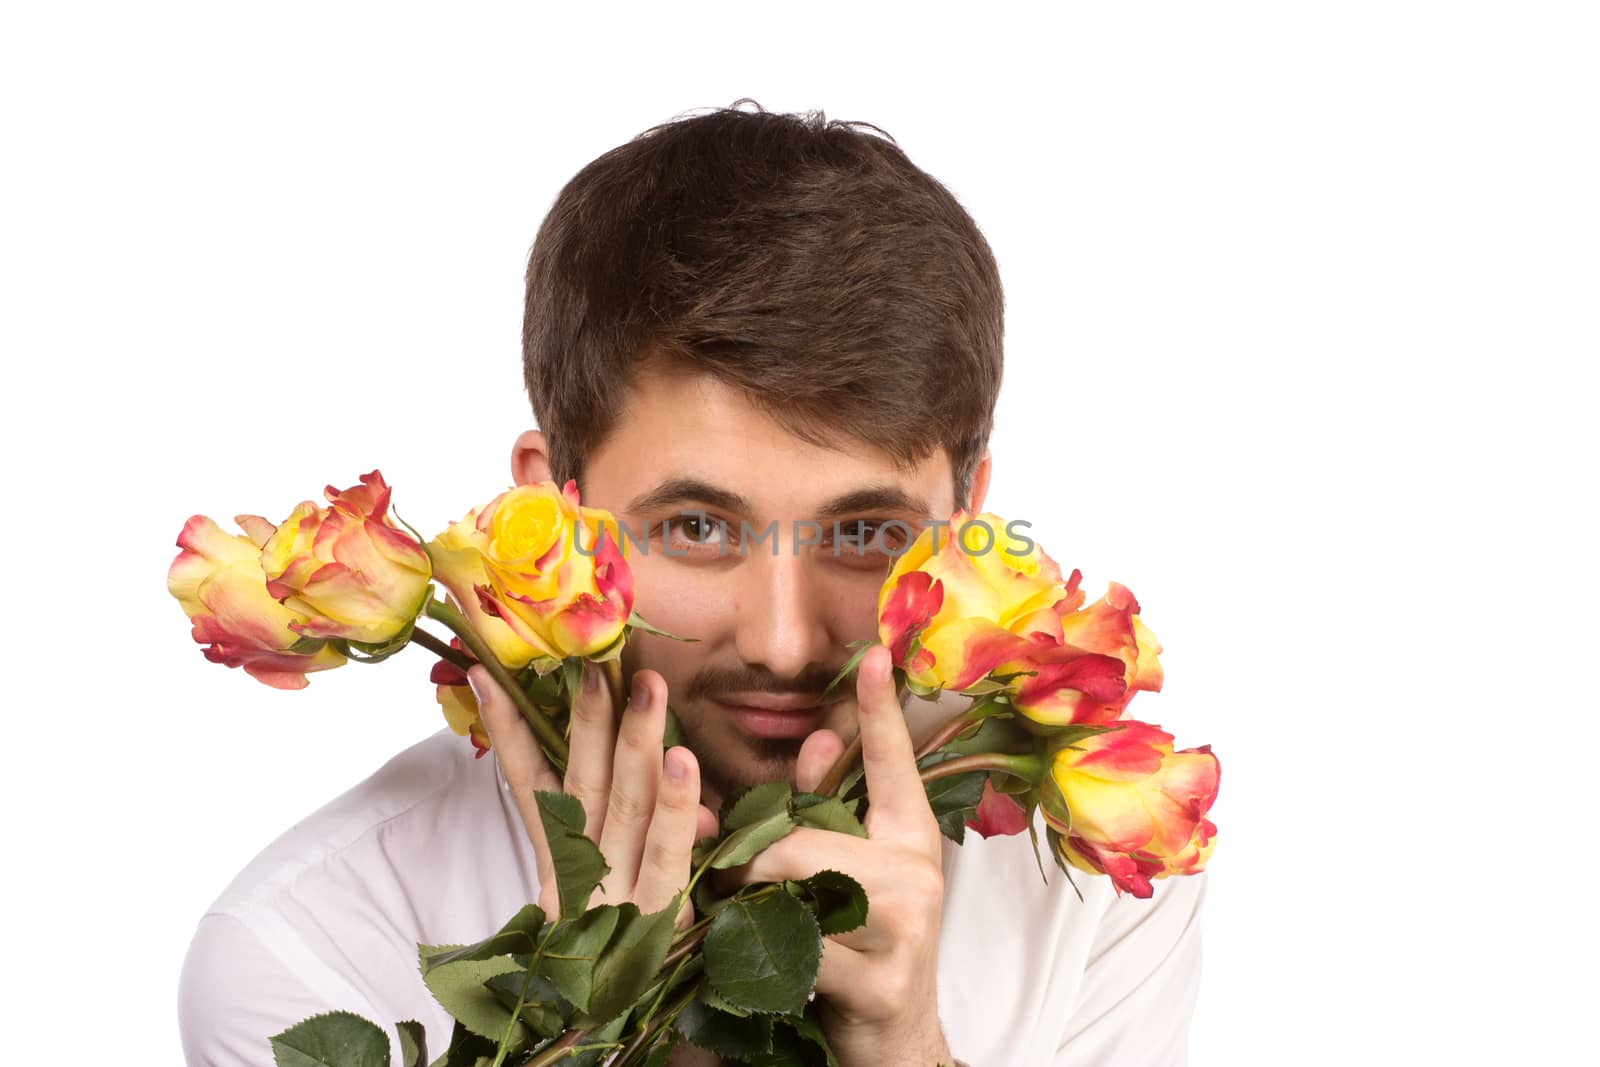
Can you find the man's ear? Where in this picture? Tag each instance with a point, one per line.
(980, 483)
(530, 458)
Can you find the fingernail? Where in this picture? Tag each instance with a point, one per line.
(640, 696)
(872, 668)
(591, 678)
(472, 681)
(677, 770)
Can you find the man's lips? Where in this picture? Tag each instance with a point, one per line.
(771, 716)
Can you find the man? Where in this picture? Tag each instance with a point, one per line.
(735, 322)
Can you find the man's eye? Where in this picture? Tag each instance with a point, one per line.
(870, 537)
(695, 531)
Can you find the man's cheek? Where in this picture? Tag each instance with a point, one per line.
(680, 597)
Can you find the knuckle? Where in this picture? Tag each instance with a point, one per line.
(661, 855)
(592, 707)
(674, 798)
(897, 987)
(625, 805)
(886, 994)
(582, 786)
(927, 880)
(636, 739)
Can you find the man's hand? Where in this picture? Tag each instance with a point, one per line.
(643, 810)
(876, 986)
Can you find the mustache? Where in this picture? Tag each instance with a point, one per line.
(713, 682)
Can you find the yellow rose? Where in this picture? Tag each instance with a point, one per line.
(549, 569)
(1124, 804)
(218, 581)
(346, 567)
(969, 597)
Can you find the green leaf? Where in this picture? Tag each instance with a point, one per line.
(1055, 854)
(743, 844)
(636, 621)
(1069, 736)
(466, 1048)
(994, 734)
(736, 1036)
(713, 1000)
(1054, 804)
(572, 670)
(755, 804)
(827, 813)
(377, 652)
(459, 987)
(856, 776)
(413, 1043)
(1033, 836)
(954, 800)
(672, 734)
(630, 962)
(796, 1044)
(577, 860)
(543, 689)
(306, 646)
(838, 899)
(606, 1037)
(604, 960)
(809, 1028)
(544, 1009)
(520, 934)
(849, 666)
(708, 899)
(334, 1039)
(574, 949)
(762, 954)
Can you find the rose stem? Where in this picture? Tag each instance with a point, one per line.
(550, 739)
(453, 656)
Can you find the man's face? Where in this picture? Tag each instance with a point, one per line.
(772, 623)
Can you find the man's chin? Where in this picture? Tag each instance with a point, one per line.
(750, 763)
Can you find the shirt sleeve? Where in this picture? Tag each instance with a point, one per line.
(1140, 981)
(235, 994)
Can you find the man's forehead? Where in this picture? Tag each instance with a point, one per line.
(685, 438)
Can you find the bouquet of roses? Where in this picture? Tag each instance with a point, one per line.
(537, 589)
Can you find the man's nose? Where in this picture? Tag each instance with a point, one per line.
(781, 623)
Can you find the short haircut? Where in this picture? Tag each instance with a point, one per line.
(803, 260)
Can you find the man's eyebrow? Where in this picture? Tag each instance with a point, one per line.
(873, 498)
(678, 491)
(689, 491)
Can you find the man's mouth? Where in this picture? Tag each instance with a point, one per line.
(771, 715)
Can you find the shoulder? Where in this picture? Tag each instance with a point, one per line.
(431, 777)
(329, 915)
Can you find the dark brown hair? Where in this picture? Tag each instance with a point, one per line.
(803, 260)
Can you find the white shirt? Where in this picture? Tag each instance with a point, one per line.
(431, 849)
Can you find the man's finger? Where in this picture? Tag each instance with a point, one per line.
(522, 762)
(635, 784)
(803, 852)
(817, 754)
(593, 740)
(887, 754)
(665, 865)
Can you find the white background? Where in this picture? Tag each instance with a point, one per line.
(1301, 338)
